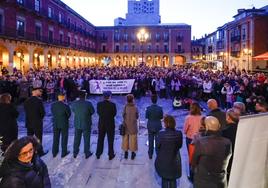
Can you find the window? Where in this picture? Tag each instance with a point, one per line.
(157, 36)
(68, 40)
(149, 48)
(166, 36)
(125, 48)
(49, 12)
(125, 37)
(75, 42)
(133, 48)
(37, 32)
(50, 36)
(117, 48)
(20, 28)
(61, 38)
(60, 17)
(103, 48)
(21, 2)
(179, 48)
(1, 23)
(37, 5)
(166, 48)
(69, 22)
(157, 48)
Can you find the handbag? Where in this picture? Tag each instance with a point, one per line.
(122, 129)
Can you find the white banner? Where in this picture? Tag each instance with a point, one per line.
(115, 86)
(250, 163)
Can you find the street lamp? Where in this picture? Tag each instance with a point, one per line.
(142, 36)
(247, 52)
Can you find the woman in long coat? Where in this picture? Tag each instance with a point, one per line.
(168, 160)
(130, 117)
(8, 120)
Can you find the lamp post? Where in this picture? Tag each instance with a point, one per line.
(247, 52)
(142, 36)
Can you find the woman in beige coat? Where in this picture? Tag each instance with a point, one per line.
(130, 117)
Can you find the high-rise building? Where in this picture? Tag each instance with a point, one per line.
(143, 12)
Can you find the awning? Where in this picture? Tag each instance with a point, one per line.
(263, 56)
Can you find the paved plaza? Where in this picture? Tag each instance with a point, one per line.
(118, 173)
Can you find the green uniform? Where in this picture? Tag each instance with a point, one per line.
(61, 113)
(83, 111)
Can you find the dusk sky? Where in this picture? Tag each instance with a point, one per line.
(204, 15)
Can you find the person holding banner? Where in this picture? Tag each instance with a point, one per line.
(211, 156)
(106, 111)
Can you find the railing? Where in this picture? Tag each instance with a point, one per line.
(220, 44)
(179, 39)
(235, 38)
(235, 53)
(21, 35)
(29, 6)
(180, 51)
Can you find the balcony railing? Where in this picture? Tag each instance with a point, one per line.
(220, 44)
(179, 51)
(236, 38)
(14, 34)
(235, 53)
(179, 39)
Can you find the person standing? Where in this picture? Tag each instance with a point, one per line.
(61, 113)
(34, 115)
(130, 117)
(211, 156)
(191, 127)
(168, 159)
(232, 119)
(154, 114)
(216, 112)
(83, 110)
(106, 125)
(8, 120)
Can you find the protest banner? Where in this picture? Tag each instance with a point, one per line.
(115, 86)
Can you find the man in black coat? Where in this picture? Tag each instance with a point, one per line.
(34, 115)
(216, 112)
(106, 111)
(61, 113)
(8, 121)
(232, 119)
(154, 114)
(211, 156)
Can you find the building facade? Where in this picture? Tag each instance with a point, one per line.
(48, 33)
(236, 43)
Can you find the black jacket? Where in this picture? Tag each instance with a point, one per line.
(34, 112)
(220, 115)
(18, 175)
(8, 123)
(210, 160)
(106, 111)
(168, 160)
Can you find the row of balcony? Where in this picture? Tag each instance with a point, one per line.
(43, 13)
(145, 51)
(21, 35)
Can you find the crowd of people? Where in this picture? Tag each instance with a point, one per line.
(229, 95)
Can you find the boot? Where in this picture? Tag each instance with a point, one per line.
(126, 155)
(133, 155)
